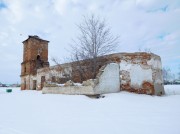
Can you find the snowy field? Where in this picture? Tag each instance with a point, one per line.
(30, 112)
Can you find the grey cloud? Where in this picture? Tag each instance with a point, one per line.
(128, 18)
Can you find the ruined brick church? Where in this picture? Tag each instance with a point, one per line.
(138, 72)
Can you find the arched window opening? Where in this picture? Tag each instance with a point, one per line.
(38, 57)
(39, 62)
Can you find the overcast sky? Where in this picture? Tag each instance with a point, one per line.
(141, 24)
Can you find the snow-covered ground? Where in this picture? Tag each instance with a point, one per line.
(30, 112)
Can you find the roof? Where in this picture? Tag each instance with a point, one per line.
(34, 37)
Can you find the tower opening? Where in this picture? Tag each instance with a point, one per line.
(39, 62)
(38, 57)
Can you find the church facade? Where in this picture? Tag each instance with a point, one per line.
(138, 72)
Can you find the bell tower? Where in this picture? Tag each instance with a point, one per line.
(35, 56)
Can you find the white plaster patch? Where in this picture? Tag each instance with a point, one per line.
(156, 63)
(138, 75)
(125, 65)
(109, 81)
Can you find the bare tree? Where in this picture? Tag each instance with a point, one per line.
(58, 74)
(165, 74)
(94, 40)
(168, 76)
(147, 50)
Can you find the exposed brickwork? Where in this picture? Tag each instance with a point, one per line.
(125, 75)
(35, 59)
(35, 56)
(137, 59)
(148, 88)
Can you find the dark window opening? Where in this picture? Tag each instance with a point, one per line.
(39, 62)
(38, 57)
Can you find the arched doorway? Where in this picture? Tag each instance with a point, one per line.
(43, 79)
(34, 84)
